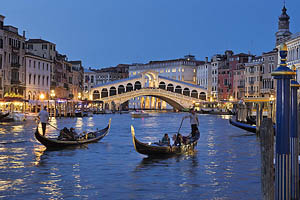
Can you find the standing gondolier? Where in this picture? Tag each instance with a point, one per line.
(44, 117)
(194, 122)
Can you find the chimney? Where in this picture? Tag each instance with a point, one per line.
(23, 34)
(1, 21)
(206, 59)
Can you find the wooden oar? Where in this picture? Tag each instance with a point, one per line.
(53, 126)
(180, 126)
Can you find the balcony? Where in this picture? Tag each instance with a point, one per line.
(15, 65)
(13, 81)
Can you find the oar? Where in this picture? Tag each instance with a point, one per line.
(180, 126)
(53, 126)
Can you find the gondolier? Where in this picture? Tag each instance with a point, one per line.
(194, 122)
(44, 117)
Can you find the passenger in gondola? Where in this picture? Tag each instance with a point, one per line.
(179, 140)
(74, 133)
(165, 140)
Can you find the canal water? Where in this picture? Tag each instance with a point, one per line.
(226, 164)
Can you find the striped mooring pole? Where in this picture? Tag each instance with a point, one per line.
(294, 141)
(283, 75)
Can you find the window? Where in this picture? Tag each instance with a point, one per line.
(29, 79)
(1, 43)
(43, 83)
(39, 80)
(44, 46)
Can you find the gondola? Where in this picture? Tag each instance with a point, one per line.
(3, 115)
(244, 126)
(56, 144)
(162, 151)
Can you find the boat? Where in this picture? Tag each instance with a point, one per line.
(54, 143)
(160, 151)
(139, 114)
(3, 115)
(244, 126)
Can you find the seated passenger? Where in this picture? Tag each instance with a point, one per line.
(179, 140)
(73, 133)
(165, 140)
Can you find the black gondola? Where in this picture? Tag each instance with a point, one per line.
(247, 127)
(160, 151)
(55, 143)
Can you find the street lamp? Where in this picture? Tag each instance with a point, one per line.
(79, 96)
(42, 96)
(272, 99)
(52, 94)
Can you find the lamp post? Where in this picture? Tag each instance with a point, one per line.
(52, 95)
(272, 99)
(42, 97)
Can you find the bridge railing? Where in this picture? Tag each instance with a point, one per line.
(142, 92)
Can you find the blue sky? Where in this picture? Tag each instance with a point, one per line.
(105, 33)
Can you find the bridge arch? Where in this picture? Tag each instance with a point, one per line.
(129, 87)
(137, 85)
(194, 94)
(170, 87)
(178, 89)
(121, 89)
(112, 91)
(162, 85)
(96, 94)
(104, 93)
(186, 92)
(202, 96)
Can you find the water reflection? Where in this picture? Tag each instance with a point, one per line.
(223, 167)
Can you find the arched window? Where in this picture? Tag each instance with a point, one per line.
(170, 87)
(178, 89)
(202, 96)
(112, 91)
(162, 85)
(129, 87)
(137, 85)
(104, 93)
(121, 89)
(186, 92)
(194, 94)
(96, 95)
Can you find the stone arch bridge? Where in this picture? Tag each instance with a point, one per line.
(176, 93)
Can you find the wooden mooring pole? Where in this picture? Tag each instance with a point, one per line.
(294, 141)
(283, 75)
(266, 133)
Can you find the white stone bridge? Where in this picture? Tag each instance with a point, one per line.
(176, 93)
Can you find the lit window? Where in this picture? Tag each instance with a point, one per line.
(174, 70)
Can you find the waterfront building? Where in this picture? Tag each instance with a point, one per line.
(89, 81)
(216, 61)
(183, 69)
(109, 74)
(268, 86)
(253, 77)
(204, 76)
(239, 82)
(236, 74)
(76, 80)
(37, 76)
(62, 77)
(12, 67)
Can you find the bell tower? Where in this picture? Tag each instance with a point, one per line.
(283, 27)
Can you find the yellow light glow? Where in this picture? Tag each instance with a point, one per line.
(42, 96)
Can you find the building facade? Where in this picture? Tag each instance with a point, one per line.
(253, 77)
(204, 76)
(37, 77)
(12, 47)
(270, 62)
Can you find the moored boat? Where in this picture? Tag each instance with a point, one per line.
(247, 127)
(139, 114)
(156, 151)
(54, 143)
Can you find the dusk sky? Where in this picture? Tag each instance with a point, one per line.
(105, 33)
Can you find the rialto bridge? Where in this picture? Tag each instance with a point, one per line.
(176, 93)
